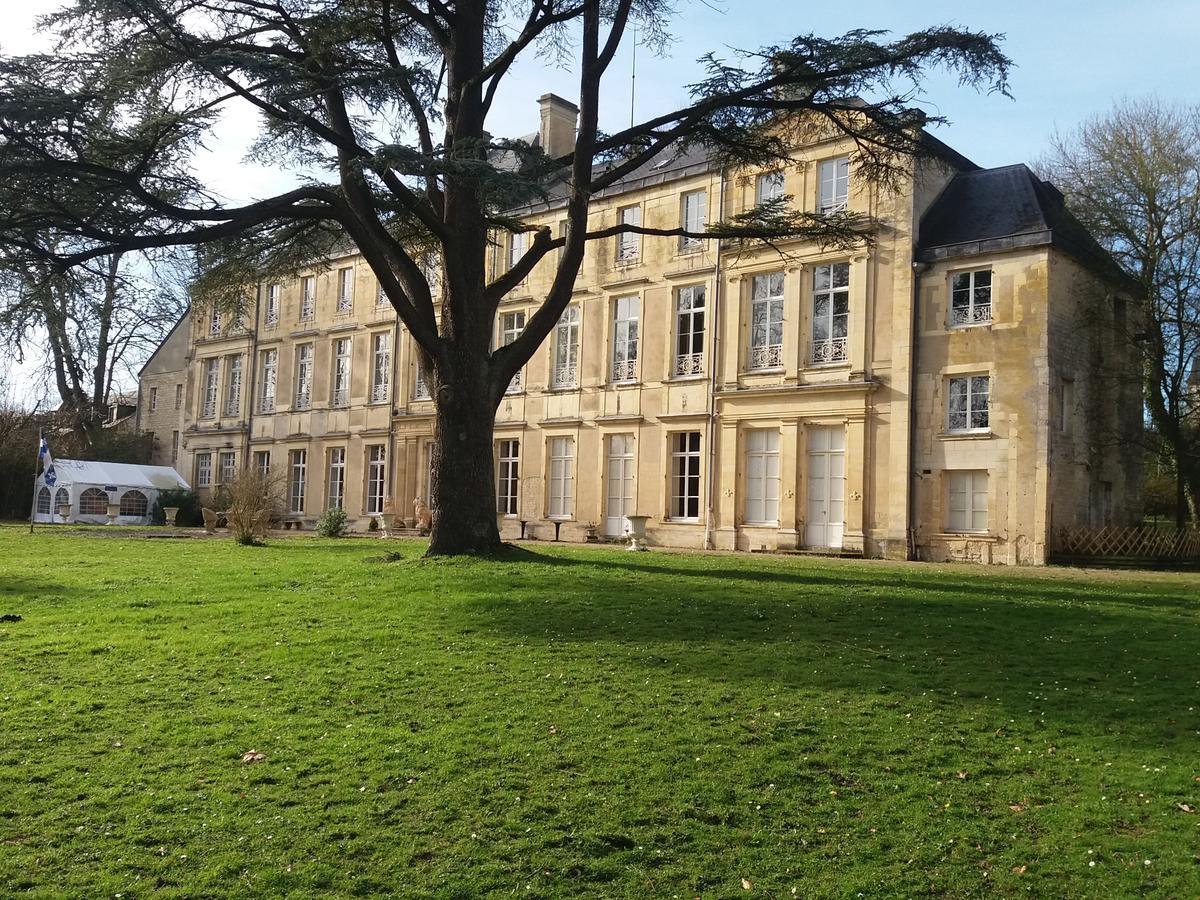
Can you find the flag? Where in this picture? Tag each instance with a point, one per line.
(47, 462)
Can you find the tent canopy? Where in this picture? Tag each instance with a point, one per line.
(120, 475)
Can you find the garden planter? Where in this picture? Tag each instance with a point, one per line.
(170, 512)
(637, 532)
(385, 523)
(114, 510)
(64, 512)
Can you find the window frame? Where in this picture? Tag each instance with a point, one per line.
(226, 466)
(297, 481)
(833, 349)
(970, 493)
(565, 371)
(508, 480)
(339, 385)
(308, 297)
(210, 388)
(381, 366)
(345, 290)
(233, 385)
(375, 496)
(271, 313)
(836, 202)
(623, 357)
(766, 356)
(682, 461)
(204, 469)
(305, 355)
(758, 485)
(769, 186)
(560, 478)
(262, 462)
(688, 334)
(693, 244)
(969, 409)
(971, 316)
(269, 387)
(509, 325)
(628, 249)
(335, 478)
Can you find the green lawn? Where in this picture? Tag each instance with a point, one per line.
(587, 722)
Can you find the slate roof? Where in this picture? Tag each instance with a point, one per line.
(1005, 208)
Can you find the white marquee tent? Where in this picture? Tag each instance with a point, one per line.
(89, 486)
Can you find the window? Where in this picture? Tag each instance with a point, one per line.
(689, 330)
(214, 322)
(262, 462)
(209, 407)
(381, 297)
(376, 478)
(179, 396)
(629, 244)
(566, 349)
(969, 403)
(968, 502)
(272, 316)
(227, 461)
(831, 314)
(694, 218)
(341, 372)
(308, 297)
(304, 372)
(233, 385)
(768, 186)
(174, 447)
(518, 243)
(335, 496)
(834, 177)
(1066, 407)
(93, 502)
(203, 469)
(270, 369)
(625, 339)
(971, 298)
(507, 483)
(381, 366)
(562, 478)
(43, 500)
(511, 326)
(685, 476)
(297, 468)
(766, 321)
(762, 476)
(420, 387)
(134, 503)
(345, 295)
(153, 399)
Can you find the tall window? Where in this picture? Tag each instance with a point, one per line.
(233, 385)
(308, 297)
(174, 447)
(179, 396)
(969, 403)
(766, 321)
(971, 298)
(689, 330)
(203, 469)
(518, 243)
(43, 500)
(297, 475)
(209, 407)
(511, 326)
(507, 483)
(381, 297)
(831, 313)
(762, 476)
(304, 371)
(153, 399)
(566, 349)
(562, 477)
(376, 478)
(694, 218)
(335, 493)
(345, 294)
(420, 388)
(768, 186)
(381, 366)
(341, 372)
(270, 373)
(227, 460)
(262, 462)
(629, 244)
(272, 317)
(214, 322)
(625, 338)
(834, 178)
(685, 476)
(968, 502)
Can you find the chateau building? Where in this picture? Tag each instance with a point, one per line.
(950, 390)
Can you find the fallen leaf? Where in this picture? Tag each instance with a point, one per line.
(962, 775)
(746, 885)
(1015, 807)
(252, 756)
(1018, 870)
(1186, 807)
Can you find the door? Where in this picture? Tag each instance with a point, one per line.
(619, 479)
(826, 487)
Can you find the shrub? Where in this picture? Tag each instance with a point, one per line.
(189, 508)
(254, 500)
(332, 523)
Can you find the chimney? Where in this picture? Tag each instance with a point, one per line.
(559, 119)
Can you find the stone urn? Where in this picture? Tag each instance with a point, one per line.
(114, 510)
(386, 520)
(637, 531)
(64, 512)
(170, 512)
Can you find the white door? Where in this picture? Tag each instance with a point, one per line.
(619, 490)
(826, 487)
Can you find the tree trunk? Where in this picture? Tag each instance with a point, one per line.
(463, 478)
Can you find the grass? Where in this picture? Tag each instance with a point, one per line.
(587, 722)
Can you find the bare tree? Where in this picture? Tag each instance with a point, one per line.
(1132, 176)
(392, 98)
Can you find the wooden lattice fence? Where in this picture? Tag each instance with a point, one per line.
(1145, 544)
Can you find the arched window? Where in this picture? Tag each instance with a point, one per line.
(43, 504)
(133, 503)
(62, 497)
(93, 502)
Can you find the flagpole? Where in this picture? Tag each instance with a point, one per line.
(37, 459)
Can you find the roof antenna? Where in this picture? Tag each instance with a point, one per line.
(633, 79)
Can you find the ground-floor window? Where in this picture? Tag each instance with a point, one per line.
(762, 476)
(203, 470)
(562, 477)
(376, 478)
(336, 495)
(228, 461)
(93, 502)
(506, 477)
(262, 462)
(685, 476)
(43, 500)
(134, 503)
(968, 502)
(298, 468)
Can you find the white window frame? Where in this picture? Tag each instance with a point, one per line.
(174, 447)
(562, 477)
(262, 462)
(693, 216)
(518, 244)
(967, 489)
(509, 326)
(566, 350)
(381, 366)
(304, 376)
(345, 294)
(270, 381)
(690, 327)
(208, 408)
(970, 301)
(340, 388)
(376, 478)
(975, 391)
(272, 313)
(204, 469)
(833, 180)
(214, 322)
(831, 286)
(625, 318)
(768, 186)
(767, 292)
(762, 476)
(685, 471)
(420, 387)
(335, 484)
(629, 244)
(308, 297)
(297, 480)
(508, 483)
(226, 466)
(233, 385)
